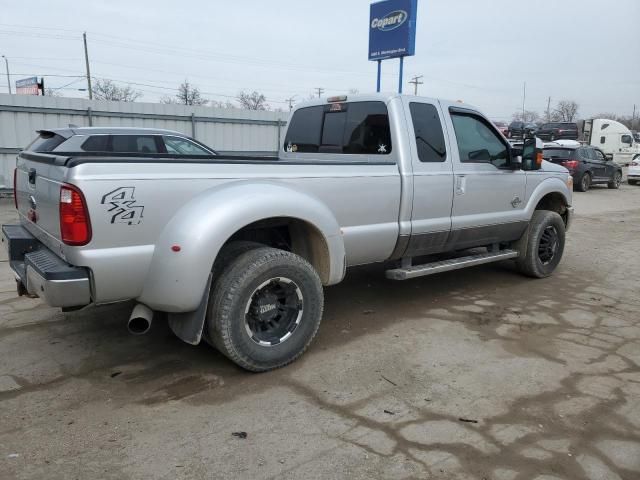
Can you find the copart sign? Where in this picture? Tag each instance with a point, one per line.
(392, 29)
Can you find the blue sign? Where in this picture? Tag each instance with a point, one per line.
(392, 29)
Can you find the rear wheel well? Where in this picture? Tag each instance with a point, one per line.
(554, 202)
(293, 235)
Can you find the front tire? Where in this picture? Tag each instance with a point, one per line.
(615, 181)
(632, 182)
(544, 245)
(266, 309)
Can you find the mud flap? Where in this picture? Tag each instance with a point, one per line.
(188, 326)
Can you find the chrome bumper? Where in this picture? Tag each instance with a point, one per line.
(39, 272)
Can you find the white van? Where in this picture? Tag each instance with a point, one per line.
(613, 138)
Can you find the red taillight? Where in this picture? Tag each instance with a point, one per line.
(75, 226)
(15, 187)
(570, 164)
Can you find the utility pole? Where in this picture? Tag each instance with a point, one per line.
(524, 96)
(6, 64)
(86, 59)
(320, 91)
(633, 117)
(549, 109)
(290, 101)
(416, 81)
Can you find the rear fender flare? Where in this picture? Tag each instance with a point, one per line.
(176, 280)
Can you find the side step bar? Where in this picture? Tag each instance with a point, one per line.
(451, 264)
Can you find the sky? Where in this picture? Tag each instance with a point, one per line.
(478, 51)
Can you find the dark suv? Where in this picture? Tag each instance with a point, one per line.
(587, 165)
(557, 131)
(519, 129)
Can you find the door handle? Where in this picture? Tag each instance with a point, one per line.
(32, 176)
(461, 184)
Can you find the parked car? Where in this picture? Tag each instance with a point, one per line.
(519, 129)
(613, 138)
(633, 174)
(118, 140)
(237, 250)
(503, 127)
(587, 165)
(558, 130)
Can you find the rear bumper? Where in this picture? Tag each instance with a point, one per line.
(40, 272)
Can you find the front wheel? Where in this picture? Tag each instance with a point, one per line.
(615, 181)
(544, 244)
(266, 309)
(631, 182)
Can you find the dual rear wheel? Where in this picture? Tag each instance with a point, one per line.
(265, 306)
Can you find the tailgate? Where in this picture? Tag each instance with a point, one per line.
(38, 180)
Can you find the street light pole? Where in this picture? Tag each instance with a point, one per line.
(6, 64)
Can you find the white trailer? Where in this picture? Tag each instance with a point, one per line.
(613, 138)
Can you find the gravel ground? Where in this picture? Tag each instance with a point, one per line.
(472, 374)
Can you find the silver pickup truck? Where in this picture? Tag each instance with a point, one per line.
(236, 250)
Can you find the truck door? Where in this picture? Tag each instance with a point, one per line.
(432, 177)
(489, 196)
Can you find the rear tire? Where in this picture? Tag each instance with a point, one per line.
(615, 181)
(544, 244)
(584, 183)
(632, 182)
(266, 309)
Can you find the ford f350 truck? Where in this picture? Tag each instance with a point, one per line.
(236, 250)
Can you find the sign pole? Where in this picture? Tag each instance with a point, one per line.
(400, 75)
(379, 74)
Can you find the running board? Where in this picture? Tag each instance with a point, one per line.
(451, 264)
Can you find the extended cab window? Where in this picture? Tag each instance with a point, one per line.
(428, 131)
(344, 128)
(477, 142)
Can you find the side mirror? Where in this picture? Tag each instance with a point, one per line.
(532, 154)
(609, 156)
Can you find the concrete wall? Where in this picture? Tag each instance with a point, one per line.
(225, 130)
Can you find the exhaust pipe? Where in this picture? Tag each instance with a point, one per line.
(140, 320)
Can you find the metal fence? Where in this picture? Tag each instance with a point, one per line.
(225, 130)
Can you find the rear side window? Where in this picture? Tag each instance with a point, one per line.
(45, 142)
(344, 128)
(133, 144)
(96, 143)
(120, 144)
(556, 153)
(428, 131)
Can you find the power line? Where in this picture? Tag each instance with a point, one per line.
(290, 101)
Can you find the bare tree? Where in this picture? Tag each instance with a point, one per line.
(222, 104)
(353, 91)
(627, 121)
(105, 89)
(565, 111)
(53, 92)
(527, 116)
(252, 101)
(187, 95)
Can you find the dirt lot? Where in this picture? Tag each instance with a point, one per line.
(475, 374)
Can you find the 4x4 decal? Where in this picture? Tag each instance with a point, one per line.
(123, 206)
